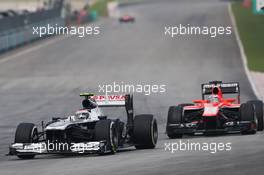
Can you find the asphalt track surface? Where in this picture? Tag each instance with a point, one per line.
(45, 82)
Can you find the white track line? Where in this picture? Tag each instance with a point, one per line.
(242, 53)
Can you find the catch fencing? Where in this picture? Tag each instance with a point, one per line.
(18, 30)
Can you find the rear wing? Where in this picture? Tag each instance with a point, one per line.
(110, 100)
(226, 88)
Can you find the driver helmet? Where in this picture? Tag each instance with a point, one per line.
(89, 103)
(213, 98)
(82, 114)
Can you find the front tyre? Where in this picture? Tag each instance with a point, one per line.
(145, 131)
(174, 117)
(247, 114)
(107, 130)
(26, 133)
(258, 104)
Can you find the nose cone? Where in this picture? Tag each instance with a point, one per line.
(60, 125)
(210, 110)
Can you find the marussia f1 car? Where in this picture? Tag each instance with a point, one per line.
(126, 18)
(214, 113)
(88, 131)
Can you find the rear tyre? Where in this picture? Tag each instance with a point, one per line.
(174, 117)
(26, 133)
(145, 131)
(258, 104)
(247, 113)
(106, 130)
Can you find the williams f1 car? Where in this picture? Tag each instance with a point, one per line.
(87, 131)
(214, 113)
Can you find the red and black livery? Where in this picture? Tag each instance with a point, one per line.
(215, 113)
(127, 19)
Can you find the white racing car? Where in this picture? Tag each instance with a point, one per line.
(88, 131)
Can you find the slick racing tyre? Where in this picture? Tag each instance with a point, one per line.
(145, 131)
(174, 117)
(258, 104)
(106, 130)
(26, 133)
(246, 113)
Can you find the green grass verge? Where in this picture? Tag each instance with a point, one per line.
(251, 31)
(100, 7)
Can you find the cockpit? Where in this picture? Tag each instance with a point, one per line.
(213, 99)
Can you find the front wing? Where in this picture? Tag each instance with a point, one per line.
(190, 128)
(59, 148)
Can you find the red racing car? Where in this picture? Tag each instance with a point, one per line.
(126, 18)
(214, 113)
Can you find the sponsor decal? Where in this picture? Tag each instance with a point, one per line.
(258, 6)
